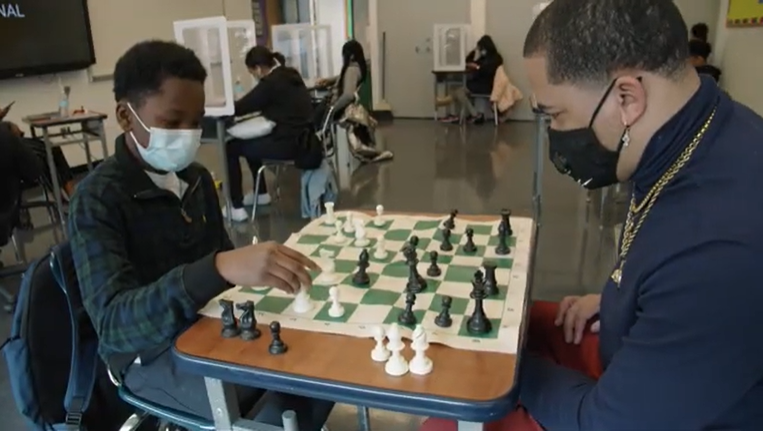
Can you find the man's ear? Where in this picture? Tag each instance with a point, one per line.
(122, 114)
(632, 97)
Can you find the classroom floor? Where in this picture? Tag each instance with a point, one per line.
(436, 168)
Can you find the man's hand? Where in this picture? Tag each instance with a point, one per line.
(574, 314)
(472, 66)
(266, 264)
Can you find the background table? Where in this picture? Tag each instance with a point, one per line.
(467, 386)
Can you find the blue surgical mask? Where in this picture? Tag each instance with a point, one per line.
(168, 150)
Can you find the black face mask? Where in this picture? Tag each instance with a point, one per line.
(579, 153)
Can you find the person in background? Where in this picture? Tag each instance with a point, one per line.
(353, 74)
(149, 242)
(481, 65)
(663, 347)
(18, 165)
(700, 31)
(65, 176)
(282, 97)
(699, 51)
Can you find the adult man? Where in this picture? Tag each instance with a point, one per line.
(679, 317)
(149, 242)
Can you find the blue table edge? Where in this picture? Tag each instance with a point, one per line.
(403, 402)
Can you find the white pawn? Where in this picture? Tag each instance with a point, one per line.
(349, 225)
(302, 303)
(396, 364)
(360, 235)
(338, 237)
(328, 276)
(379, 252)
(379, 353)
(378, 220)
(420, 364)
(330, 217)
(336, 309)
(255, 241)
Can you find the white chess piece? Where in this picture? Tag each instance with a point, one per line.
(328, 276)
(379, 353)
(349, 225)
(379, 252)
(338, 236)
(255, 241)
(378, 220)
(330, 217)
(360, 236)
(420, 364)
(336, 310)
(396, 364)
(302, 303)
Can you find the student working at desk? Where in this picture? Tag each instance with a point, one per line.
(353, 74)
(679, 319)
(149, 243)
(282, 97)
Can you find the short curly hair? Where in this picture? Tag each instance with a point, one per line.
(585, 41)
(141, 71)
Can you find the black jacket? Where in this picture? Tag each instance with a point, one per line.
(283, 98)
(709, 69)
(480, 81)
(18, 164)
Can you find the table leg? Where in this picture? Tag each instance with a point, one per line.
(88, 153)
(53, 175)
(470, 426)
(102, 136)
(222, 399)
(436, 108)
(226, 172)
(364, 422)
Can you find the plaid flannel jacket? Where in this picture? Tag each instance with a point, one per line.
(144, 258)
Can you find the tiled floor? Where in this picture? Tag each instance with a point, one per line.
(436, 168)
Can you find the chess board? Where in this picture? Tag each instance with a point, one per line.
(383, 300)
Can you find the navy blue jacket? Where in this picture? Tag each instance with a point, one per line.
(682, 338)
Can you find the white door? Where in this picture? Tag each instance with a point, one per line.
(406, 28)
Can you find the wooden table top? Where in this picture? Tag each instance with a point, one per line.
(54, 119)
(457, 374)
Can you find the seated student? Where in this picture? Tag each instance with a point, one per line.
(282, 97)
(679, 317)
(65, 176)
(353, 74)
(149, 243)
(698, 53)
(700, 31)
(481, 65)
(18, 164)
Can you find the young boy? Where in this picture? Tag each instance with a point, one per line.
(149, 242)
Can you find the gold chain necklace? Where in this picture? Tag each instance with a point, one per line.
(631, 226)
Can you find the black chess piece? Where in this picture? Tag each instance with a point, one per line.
(416, 283)
(248, 322)
(361, 277)
(450, 223)
(446, 245)
(414, 242)
(502, 248)
(443, 319)
(407, 317)
(506, 220)
(410, 254)
(491, 284)
(228, 317)
(469, 247)
(478, 323)
(277, 346)
(433, 270)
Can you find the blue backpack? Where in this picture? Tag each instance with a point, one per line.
(52, 392)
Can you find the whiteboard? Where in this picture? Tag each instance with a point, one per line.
(117, 25)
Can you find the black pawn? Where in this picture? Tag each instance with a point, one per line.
(416, 283)
(443, 319)
(506, 220)
(277, 346)
(491, 284)
(450, 223)
(407, 317)
(469, 247)
(414, 242)
(230, 326)
(446, 245)
(361, 277)
(478, 323)
(433, 270)
(249, 329)
(502, 248)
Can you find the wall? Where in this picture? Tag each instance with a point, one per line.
(333, 13)
(40, 94)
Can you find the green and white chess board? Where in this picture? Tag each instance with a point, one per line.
(383, 300)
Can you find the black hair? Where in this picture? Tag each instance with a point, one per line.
(700, 31)
(486, 43)
(142, 70)
(698, 48)
(586, 41)
(261, 56)
(352, 52)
